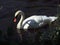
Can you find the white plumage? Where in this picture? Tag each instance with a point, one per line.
(33, 21)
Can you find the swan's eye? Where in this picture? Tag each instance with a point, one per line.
(14, 20)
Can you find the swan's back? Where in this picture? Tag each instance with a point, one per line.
(35, 17)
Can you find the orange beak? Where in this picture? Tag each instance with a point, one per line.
(14, 20)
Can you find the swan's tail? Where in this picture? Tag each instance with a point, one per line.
(53, 18)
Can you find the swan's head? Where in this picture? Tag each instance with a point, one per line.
(18, 13)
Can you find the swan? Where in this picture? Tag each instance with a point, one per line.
(34, 21)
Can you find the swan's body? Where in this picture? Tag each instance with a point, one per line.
(33, 21)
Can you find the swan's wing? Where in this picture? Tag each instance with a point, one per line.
(34, 17)
(33, 22)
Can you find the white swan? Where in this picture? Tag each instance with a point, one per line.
(33, 21)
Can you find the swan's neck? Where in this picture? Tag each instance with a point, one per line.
(19, 25)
